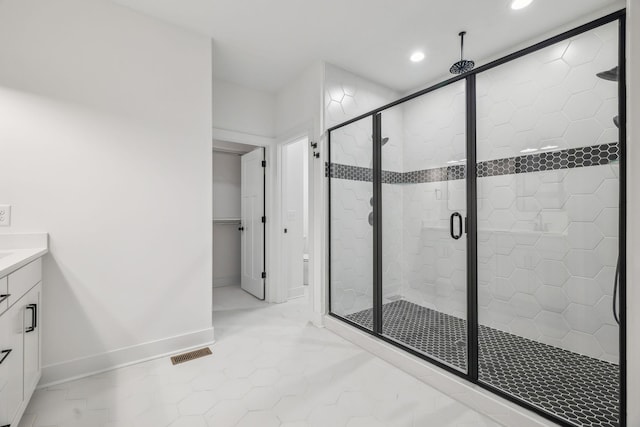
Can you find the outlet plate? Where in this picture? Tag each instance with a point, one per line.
(5, 215)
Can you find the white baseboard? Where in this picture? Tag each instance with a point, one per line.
(317, 319)
(477, 398)
(91, 365)
(219, 282)
(296, 292)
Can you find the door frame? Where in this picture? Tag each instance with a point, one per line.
(283, 286)
(279, 293)
(269, 147)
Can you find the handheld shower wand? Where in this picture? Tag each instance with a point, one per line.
(612, 76)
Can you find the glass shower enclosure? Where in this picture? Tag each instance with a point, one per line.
(478, 224)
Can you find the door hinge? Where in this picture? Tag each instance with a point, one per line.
(264, 274)
(264, 163)
(264, 219)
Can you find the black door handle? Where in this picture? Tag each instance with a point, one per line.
(3, 297)
(451, 221)
(241, 228)
(6, 354)
(34, 317)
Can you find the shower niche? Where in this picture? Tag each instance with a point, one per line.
(477, 224)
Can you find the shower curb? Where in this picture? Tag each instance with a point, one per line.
(475, 397)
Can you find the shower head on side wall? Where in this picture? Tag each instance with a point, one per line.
(463, 65)
(384, 140)
(611, 75)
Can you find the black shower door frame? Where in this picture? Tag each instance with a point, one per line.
(472, 222)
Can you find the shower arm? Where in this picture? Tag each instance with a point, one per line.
(461, 34)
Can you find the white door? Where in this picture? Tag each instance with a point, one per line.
(252, 212)
(293, 182)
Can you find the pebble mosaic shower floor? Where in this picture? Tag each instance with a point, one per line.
(580, 389)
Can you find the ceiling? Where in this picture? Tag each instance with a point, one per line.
(263, 44)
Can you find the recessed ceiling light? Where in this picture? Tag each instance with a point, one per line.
(520, 4)
(416, 56)
(529, 150)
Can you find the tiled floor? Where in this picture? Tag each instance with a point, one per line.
(269, 368)
(580, 389)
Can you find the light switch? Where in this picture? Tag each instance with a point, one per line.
(5, 214)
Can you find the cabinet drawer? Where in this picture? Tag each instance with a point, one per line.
(20, 281)
(3, 292)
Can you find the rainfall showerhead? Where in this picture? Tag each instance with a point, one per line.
(463, 65)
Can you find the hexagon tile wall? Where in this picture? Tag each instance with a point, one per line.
(547, 195)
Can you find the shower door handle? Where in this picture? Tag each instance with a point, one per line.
(451, 227)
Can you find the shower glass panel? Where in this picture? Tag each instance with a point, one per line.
(351, 219)
(548, 189)
(424, 276)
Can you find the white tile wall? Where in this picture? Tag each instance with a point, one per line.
(351, 246)
(548, 245)
(347, 96)
(550, 98)
(550, 278)
(548, 240)
(434, 269)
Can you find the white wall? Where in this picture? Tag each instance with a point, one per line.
(633, 207)
(226, 204)
(106, 145)
(241, 109)
(298, 105)
(299, 114)
(226, 185)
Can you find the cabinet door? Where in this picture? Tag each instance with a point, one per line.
(31, 311)
(11, 369)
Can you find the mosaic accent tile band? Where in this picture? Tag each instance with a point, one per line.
(358, 173)
(580, 389)
(551, 160)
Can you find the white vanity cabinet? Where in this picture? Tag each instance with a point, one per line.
(20, 365)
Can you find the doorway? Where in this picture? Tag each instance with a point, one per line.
(238, 221)
(295, 217)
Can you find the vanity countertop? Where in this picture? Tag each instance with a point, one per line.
(19, 249)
